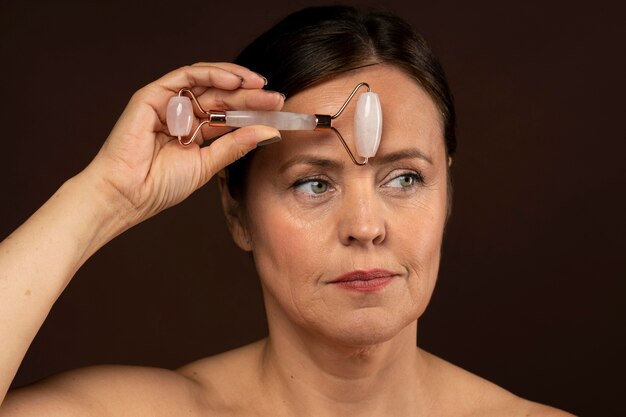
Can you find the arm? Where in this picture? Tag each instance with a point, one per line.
(102, 391)
(38, 260)
(139, 172)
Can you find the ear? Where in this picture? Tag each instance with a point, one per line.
(449, 161)
(234, 215)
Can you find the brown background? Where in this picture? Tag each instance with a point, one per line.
(531, 289)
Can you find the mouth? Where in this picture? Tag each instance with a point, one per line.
(364, 280)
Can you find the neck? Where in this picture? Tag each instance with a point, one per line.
(304, 372)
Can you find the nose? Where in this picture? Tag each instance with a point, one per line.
(361, 220)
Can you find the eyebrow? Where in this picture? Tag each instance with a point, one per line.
(388, 158)
(310, 160)
(409, 153)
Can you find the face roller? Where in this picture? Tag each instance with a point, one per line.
(368, 120)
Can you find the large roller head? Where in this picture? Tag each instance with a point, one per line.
(368, 124)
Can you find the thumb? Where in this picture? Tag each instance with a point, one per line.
(232, 146)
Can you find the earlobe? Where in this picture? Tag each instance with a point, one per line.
(234, 216)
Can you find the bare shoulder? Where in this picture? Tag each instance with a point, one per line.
(105, 391)
(466, 394)
(212, 386)
(228, 381)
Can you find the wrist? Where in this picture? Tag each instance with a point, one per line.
(102, 210)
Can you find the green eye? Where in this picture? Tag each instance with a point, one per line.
(312, 187)
(405, 181)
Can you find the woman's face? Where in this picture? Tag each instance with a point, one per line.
(345, 251)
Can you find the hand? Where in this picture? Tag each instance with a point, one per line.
(143, 165)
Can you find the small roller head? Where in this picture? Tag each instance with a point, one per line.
(179, 116)
(368, 124)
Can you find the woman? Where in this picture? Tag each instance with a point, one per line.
(347, 255)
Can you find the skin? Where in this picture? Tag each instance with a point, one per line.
(341, 352)
(331, 351)
(365, 219)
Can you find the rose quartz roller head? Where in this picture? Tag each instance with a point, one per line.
(179, 116)
(368, 120)
(368, 124)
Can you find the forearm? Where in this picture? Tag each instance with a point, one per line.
(38, 260)
(138, 172)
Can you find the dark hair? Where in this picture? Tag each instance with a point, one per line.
(317, 43)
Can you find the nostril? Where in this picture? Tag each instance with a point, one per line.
(366, 234)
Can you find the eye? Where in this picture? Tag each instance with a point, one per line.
(312, 186)
(406, 180)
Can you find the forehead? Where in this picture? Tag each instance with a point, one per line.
(410, 117)
(392, 85)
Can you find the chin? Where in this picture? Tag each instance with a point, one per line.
(367, 327)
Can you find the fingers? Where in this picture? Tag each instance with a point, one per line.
(250, 78)
(241, 100)
(233, 146)
(198, 78)
(204, 76)
(219, 86)
(218, 75)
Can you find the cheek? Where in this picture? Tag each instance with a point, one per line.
(415, 236)
(289, 252)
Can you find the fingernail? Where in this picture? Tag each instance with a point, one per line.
(281, 94)
(268, 141)
(264, 79)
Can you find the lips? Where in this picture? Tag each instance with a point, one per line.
(364, 280)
